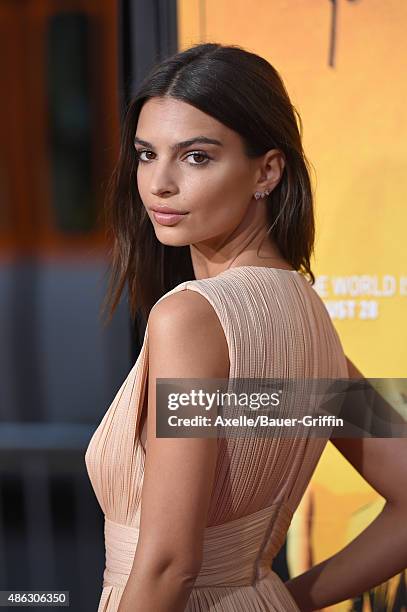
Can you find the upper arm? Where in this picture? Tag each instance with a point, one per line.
(382, 462)
(186, 340)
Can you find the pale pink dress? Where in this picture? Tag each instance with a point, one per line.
(276, 326)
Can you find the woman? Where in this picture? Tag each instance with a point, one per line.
(212, 185)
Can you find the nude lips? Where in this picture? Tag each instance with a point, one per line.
(168, 218)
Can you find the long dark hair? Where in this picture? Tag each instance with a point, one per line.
(244, 92)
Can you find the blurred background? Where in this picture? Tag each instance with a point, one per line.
(68, 69)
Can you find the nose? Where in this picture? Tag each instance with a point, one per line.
(162, 180)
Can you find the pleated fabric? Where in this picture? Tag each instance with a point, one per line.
(276, 326)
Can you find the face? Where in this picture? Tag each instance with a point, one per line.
(210, 182)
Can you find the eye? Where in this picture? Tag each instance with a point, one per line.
(139, 153)
(201, 154)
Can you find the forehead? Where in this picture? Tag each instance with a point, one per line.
(171, 120)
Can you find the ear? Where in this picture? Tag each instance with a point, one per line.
(270, 170)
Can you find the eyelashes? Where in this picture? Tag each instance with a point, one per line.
(201, 154)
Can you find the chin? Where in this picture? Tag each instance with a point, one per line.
(175, 241)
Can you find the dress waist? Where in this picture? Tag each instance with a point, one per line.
(237, 553)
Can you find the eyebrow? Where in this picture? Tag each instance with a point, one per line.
(184, 143)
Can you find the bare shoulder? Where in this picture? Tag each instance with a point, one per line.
(185, 328)
(186, 306)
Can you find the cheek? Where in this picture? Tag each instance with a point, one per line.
(140, 180)
(221, 181)
(220, 195)
(143, 187)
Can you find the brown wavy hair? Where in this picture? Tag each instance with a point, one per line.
(244, 92)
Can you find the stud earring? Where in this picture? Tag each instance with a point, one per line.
(258, 194)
